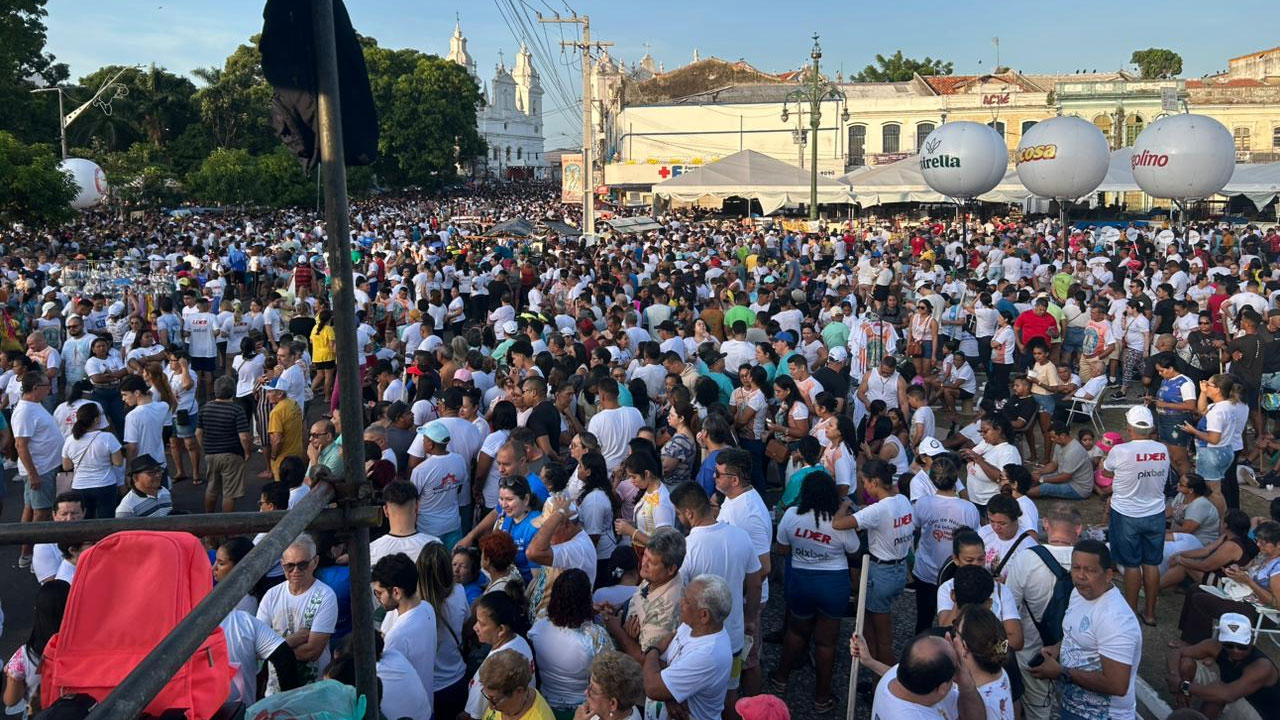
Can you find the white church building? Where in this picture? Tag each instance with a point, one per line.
(511, 119)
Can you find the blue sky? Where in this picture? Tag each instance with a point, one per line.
(772, 35)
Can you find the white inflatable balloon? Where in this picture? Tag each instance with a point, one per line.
(1062, 158)
(963, 159)
(1183, 157)
(89, 178)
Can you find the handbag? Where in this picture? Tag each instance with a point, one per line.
(776, 450)
(914, 348)
(64, 478)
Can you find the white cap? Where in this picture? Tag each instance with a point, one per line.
(1139, 417)
(116, 309)
(838, 354)
(931, 446)
(1235, 628)
(510, 327)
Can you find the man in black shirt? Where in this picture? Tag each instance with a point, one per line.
(834, 376)
(1163, 347)
(1021, 410)
(1162, 315)
(1245, 675)
(544, 421)
(1246, 357)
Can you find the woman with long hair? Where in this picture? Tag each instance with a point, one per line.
(840, 457)
(77, 396)
(247, 366)
(144, 349)
(988, 655)
(97, 461)
(1215, 433)
(818, 582)
(922, 337)
(653, 509)
(502, 420)
(323, 354)
(598, 506)
(437, 588)
(566, 640)
(640, 401)
(105, 371)
(750, 410)
(23, 669)
(226, 557)
(180, 380)
(1002, 347)
(679, 454)
(790, 421)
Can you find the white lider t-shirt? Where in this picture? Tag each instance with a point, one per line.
(697, 673)
(1141, 468)
(889, 525)
(816, 546)
(249, 641)
(1091, 630)
(887, 706)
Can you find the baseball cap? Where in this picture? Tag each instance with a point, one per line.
(797, 295)
(44, 309)
(462, 375)
(838, 354)
(931, 446)
(785, 336)
(435, 431)
(1139, 417)
(510, 327)
(143, 463)
(1235, 628)
(413, 370)
(710, 354)
(837, 311)
(667, 325)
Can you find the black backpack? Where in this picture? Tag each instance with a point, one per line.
(1050, 624)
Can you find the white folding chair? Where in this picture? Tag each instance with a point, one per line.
(1081, 406)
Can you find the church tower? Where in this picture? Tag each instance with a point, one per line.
(458, 50)
(528, 85)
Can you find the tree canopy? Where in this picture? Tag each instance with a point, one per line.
(33, 190)
(1156, 63)
(24, 66)
(897, 68)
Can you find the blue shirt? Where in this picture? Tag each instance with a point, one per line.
(522, 534)
(706, 476)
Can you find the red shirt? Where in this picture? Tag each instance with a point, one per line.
(1215, 308)
(1029, 326)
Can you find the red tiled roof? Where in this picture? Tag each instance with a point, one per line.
(947, 84)
(1236, 83)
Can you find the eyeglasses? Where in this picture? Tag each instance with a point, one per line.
(295, 567)
(492, 702)
(727, 474)
(318, 434)
(1238, 647)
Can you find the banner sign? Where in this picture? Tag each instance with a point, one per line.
(571, 178)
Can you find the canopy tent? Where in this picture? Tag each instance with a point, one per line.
(632, 225)
(754, 176)
(903, 181)
(518, 227)
(559, 228)
(1260, 183)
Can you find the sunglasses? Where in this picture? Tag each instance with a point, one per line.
(1238, 647)
(295, 567)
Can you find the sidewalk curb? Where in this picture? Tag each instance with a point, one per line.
(1150, 700)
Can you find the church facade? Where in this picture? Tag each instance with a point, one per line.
(510, 121)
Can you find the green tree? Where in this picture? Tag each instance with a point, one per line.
(897, 68)
(32, 188)
(227, 177)
(1156, 63)
(426, 116)
(24, 66)
(151, 104)
(235, 102)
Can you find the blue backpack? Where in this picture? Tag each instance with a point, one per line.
(1050, 623)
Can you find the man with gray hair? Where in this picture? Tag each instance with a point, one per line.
(691, 667)
(303, 610)
(1031, 580)
(222, 429)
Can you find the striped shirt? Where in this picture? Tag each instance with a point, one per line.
(136, 504)
(222, 422)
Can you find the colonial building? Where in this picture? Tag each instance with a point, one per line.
(511, 119)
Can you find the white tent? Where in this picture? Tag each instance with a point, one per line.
(1260, 183)
(1119, 173)
(903, 181)
(752, 175)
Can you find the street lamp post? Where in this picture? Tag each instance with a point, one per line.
(813, 91)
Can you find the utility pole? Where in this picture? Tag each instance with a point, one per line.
(65, 120)
(588, 128)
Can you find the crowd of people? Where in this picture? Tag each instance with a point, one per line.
(599, 459)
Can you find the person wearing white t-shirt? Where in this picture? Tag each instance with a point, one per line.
(409, 626)
(200, 329)
(973, 585)
(144, 425)
(743, 507)
(938, 515)
(251, 641)
(1139, 469)
(95, 458)
(1096, 665)
(400, 505)
(560, 544)
(889, 526)
(988, 458)
(693, 666)
(613, 425)
(930, 682)
(439, 478)
(303, 610)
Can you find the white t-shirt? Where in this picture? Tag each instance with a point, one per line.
(697, 672)
(576, 552)
(201, 328)
(982, 488)
(30, 420)
(938, 516)
(564, 658)
(749, 512)
(725, 550)
(1091, 630)
(998, 698)
(450, 667)
(887, 706)
(247, 373)
(595, 513)
(816, 546)
(65, 416)
(439, 479)
(477, 706)
(889, 527)
(1030, 582)
(249, 642)
(408, 545)
(144, 426)
(997, 548)
(316, 609)
(1218, 418)
(403, 695)
(294, 384)
(414, 636)
(490, 448)
(654, 510)
(924, 416)
(1141, 468)
(91, 457)
(1003, 604)
(615, 428)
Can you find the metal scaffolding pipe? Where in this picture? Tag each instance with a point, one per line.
(132, 696)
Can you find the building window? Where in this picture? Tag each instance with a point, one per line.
(922, 132)
(508, 152)
(1104, 124)
(998, 126)
(495, 153)
(889, 141)
(1275, 139)
(519, 152)
(1242, 139)
(1132, 128)
(857, 144)
(1027, 125)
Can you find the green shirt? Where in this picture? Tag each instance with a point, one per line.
(835, 334)
(791, 493)
(736, 313)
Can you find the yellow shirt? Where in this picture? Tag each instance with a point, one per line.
(322, 344)
(540, 710)
(285, 420)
